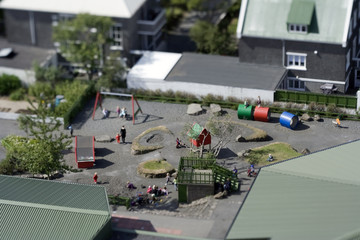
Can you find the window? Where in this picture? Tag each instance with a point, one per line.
(296, 61)
(354, 47)
(296, 84)
(347, 60)
(56, 18)
(298, 28)
(355, 19)
(350, 27)
(116, 34)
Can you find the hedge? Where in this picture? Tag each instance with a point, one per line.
(78, 105)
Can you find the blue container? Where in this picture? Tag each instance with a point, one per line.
(289, 120)
(58, 99)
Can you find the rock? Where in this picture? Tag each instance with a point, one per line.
(244, 153)
(306, 117)
(103, 138)
(215, 109)
(305, 151)
(57, 174)
(317, 117)
(240, 139)
(194, 109)
(220, 195)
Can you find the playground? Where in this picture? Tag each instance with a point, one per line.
(116, 164)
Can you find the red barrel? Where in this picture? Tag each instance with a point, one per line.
(262, 114)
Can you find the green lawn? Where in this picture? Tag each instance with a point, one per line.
(280, 151)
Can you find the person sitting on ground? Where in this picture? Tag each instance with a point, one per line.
(105, 112)
(164, 191)
(122, 113)
(270, 158)
(149, 190)
(227, 185)
(130, 186)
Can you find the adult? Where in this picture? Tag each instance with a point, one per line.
(123, 134)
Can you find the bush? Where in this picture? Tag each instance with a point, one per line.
(18, 94)
(6, 167)
(42, 89)
(9, 83)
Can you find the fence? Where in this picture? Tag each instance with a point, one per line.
(306, 97)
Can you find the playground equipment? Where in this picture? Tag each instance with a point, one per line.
(289, 120)
(258, 113)
(262, 114)
(133, 101)
(199, 136)
(85, 151)
(245, 112)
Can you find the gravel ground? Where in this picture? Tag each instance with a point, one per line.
(116, 165)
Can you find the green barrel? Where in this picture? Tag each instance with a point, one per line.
(245, 112)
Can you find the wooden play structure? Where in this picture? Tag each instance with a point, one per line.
(133, 101)
(199, 136)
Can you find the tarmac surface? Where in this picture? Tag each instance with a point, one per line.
(206, 218)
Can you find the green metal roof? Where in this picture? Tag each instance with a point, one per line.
(268, 19)
(316, 196)
(195, 131)
(301, 12)
(40, 209)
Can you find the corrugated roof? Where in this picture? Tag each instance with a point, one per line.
(195, 131)
(301, 12)
(267, 19)
(40, 209)
(316, 196)
(110, 8)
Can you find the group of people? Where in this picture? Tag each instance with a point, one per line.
(121, 112)
(258, 102)
(155, 191)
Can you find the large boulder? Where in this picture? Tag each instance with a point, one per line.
(215, 109)
(306, 117)
(194, 109)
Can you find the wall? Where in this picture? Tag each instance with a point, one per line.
(17, 26)
(200, 89)
(27, 77)
(197, 191)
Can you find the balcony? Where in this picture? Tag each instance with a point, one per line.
(151, 27)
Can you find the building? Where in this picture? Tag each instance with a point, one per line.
(316, 41)
(42, 209)
(202, 74)
(137, 23)
(315, 196)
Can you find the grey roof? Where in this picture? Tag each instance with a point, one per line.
(24, 56)
(316, 196)
(268, 19)
(224, 71)
(40, 209)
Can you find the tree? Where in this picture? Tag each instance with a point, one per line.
(211, 39)
(42, 153)
(82, 40)
(112, 73)
(50, 74)
(220, 129)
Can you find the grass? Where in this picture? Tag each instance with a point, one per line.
(155, 168)
(280, 151)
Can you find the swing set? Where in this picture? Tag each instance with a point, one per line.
(133, 101)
